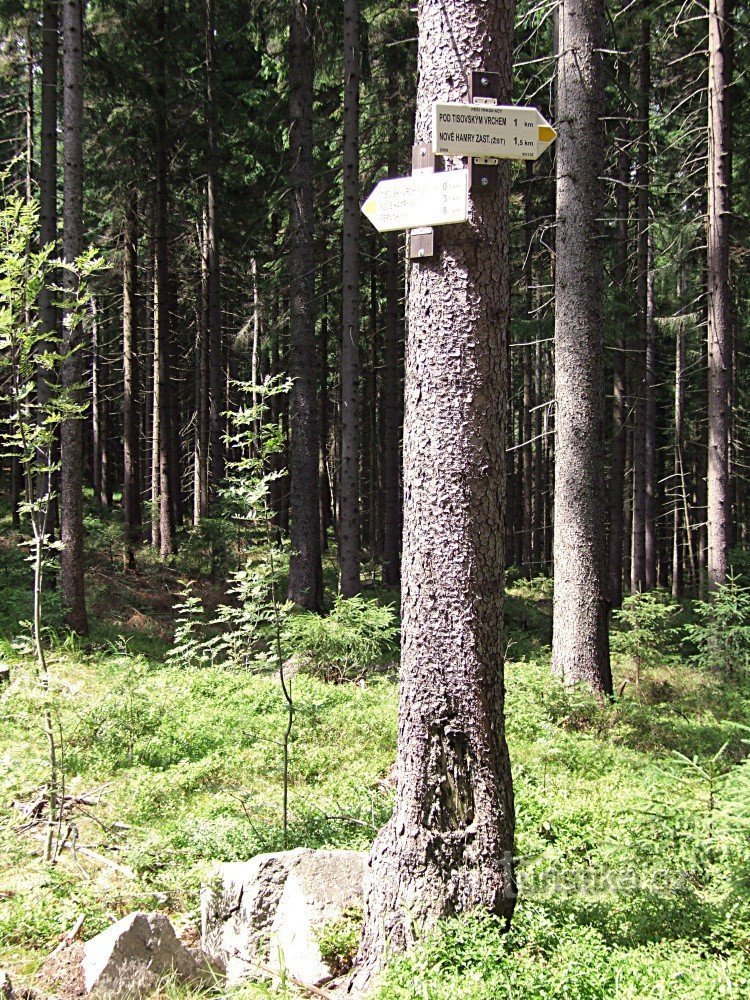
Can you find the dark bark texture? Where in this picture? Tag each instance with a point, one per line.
(72, 585)
(131, 487)
(305, 565)
(448, 846)
(719, 300)
(350, 308)
(580, 650)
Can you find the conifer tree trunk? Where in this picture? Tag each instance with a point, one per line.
(678, 471)
(202, 388)
(448, 847)
(96, 406)
(156, 410)
(622, 293)
(580, 649)
(391, 375)
(305, 565)
(72, 569)
(162, 370)
(528, 363)
(719, 301)
(349, 557)
(131, 486)
(325, 488)
(638, 571)
(48, 194)
(217, 395)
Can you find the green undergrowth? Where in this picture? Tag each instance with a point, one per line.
(633, 817)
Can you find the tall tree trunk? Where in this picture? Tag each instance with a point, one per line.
(528, 365)
(622, 298)
(163, 371)
(638, 572)
(305, 565)
(325, 486)
(96, 405)
(202, 388)
(580, 648)
(72, 569)
(156, 409)
(391, 376)
(217, 396)
(48, 204)
(719, 296)
(678, 472)
(131, 486)
(449, 844)
(349, 556)
(650, 547)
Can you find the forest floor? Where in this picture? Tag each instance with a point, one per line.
(633, 835)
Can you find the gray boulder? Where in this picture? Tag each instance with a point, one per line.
(269, 911)
(131, 956)
(6, 987)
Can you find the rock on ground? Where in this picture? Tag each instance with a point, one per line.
(131, 956)
(6, 987)
(269, 911)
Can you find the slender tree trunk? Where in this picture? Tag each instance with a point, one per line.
(72, 568)
(96, 406)
(580, 649)
(156, 410)
(131, 486)
(638, 573)
(449, 844)
(719, 295)
(679, 472)
(305, 565)
(217, 396)
(325, 486)
(202, 388)
(619, 403)
(528, 365)
(163, 370)
(349, 557)
(48, 208)
(371, 456)
(650, 541)
(391, 394)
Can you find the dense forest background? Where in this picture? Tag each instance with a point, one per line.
(187, 158)
(203, 405)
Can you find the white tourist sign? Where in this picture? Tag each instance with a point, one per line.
(508, 133)
(424, 199)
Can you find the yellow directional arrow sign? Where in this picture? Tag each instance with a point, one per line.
(424, 199)
(508, 133)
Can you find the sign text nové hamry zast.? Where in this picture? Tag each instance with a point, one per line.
(486, 130)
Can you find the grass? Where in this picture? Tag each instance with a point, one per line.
(634, 858)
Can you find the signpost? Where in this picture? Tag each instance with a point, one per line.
(424, 199)
(505, 133)
(485, 132)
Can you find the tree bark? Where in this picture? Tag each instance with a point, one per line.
(448, 847)
(580, 648)
(622, 319)
(325, 487)
(391, 376)
(638, 572)
(48, 178)
(131, 486)
(719, 295)
(162, 370)
(217, 397)
(349, 555)
(305, 565)
(72, 569)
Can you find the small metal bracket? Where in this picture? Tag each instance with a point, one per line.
(422, 240)
(483, 170)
